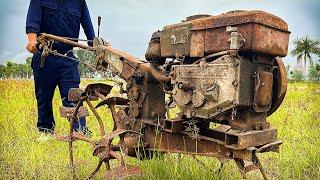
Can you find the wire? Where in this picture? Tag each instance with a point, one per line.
(71, 58)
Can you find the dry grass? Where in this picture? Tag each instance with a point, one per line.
(21, 157)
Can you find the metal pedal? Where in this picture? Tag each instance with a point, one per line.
(67, 112)
(103, 89)
(75, 94)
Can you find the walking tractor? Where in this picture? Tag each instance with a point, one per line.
(223, 73)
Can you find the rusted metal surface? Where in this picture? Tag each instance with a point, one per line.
(153, 52)
(102, 148)
(281, 84)
(67, 112)
(208, 81)
(101, 126)
(174, 126)
(180, 143)
(197, 46)
(225, 136)
(270, 147)
(175, 40)
(263, 91)
(113, 101)
(205, 90)
(45, 37)
(263, 32)
(219, 69)
(103, 89)
(248, 139)
(74, 94)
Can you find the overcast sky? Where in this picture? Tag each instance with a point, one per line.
(128, 24)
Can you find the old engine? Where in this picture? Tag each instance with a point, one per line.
(224, 66)
(224, 74)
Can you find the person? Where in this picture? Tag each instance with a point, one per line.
(61, 18)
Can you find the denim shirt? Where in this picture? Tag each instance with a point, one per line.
(61, 18)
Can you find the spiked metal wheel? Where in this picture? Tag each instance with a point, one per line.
(103, 147)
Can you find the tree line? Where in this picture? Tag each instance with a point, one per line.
(11, 70)
(304, 49)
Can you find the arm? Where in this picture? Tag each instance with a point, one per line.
(33, 23)
(86, 22)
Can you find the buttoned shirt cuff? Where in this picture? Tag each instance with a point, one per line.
(33, 28)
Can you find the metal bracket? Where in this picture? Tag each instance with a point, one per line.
(236, 39)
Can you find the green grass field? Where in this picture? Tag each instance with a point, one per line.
(21, 157)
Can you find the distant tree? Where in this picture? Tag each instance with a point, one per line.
(10, 69)
(304, 48)
(2, 71)
(317, 67)
(288, 70)
(297, 76)
(27, 67)
(314, 73)
(88, 58)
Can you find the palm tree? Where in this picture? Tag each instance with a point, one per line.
(304, 48)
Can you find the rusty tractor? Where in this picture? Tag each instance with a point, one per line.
(224, 73)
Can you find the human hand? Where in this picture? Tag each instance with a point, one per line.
(32, 46)
(32, 42)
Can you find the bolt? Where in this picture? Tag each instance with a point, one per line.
(235, 84)
(228, 154)
(180, 85)
(234, 103)
(174, 92)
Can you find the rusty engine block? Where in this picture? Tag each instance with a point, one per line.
(223, 73)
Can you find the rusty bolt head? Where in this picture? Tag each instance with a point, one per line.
(235, 84)
(174, 91)
(173, 75)
(228, 154)
(234, 103)
(180, 85)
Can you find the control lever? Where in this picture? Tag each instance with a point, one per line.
(99, 23)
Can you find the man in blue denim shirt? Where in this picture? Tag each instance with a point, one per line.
(61, 18)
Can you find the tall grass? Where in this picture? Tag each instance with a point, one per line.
(21, 157)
